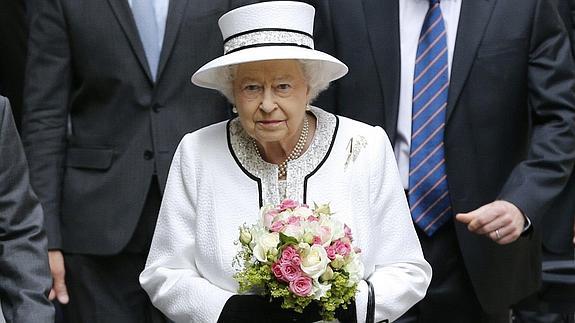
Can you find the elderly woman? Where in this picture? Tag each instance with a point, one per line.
(277, 147)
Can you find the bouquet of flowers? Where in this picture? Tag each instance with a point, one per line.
(300, 255)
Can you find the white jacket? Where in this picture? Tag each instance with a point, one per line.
(217, 182)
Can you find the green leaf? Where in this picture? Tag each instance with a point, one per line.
(287, 239)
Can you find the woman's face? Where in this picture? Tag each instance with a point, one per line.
(271, 97)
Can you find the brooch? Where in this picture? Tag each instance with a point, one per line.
(354, 147)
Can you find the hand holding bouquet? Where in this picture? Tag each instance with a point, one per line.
(300, 255)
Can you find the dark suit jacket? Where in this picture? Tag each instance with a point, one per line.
(13, 36)
(510, 117)
(96, 128)
(24, 274)
(557, 224)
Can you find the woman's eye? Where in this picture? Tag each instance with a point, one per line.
(252, 87)
(284, 86)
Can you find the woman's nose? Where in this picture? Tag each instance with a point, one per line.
(268, 102)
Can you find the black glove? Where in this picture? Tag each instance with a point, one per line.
(254, 308)
(346, 315)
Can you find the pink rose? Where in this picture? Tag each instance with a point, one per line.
(325, 233)
(288, 253)
(276, 269)
(293, 220)
(268, 219)
(302, 286)
(288, 204)
(316, 240)
(273, 212)
(347, 232)
(289, 271)
(277, 226)
(312, 218)
(342, 248)
(296, 261)
(331, 253)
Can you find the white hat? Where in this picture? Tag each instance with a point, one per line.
(267, 31)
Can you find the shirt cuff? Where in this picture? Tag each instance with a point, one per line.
(526, 226)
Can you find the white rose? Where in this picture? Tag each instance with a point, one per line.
(336, 227)
(337, 230)
(316, 228)
(293, 230)
(314, 261)
(302, 212)
(284, 215)
(319, 289)
(355, 270)
(265, 243)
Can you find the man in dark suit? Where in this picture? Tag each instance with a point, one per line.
(24, 272)
(107, 100)
(549, 304)
(13, 36)
(490, 83)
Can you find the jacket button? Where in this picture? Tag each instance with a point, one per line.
(148, 154)
(156, 107)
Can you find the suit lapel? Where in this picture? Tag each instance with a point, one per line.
(123, 13)
(173, 21)
(473, 19)
(382, 19)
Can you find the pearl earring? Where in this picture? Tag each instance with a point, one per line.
(234, 109)
(307, 107)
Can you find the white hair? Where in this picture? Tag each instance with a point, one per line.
(316, 81)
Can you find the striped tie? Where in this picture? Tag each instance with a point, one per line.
(428, 194)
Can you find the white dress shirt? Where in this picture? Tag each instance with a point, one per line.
(161, 11)
(411, 17)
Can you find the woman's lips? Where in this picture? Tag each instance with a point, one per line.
(270, 123)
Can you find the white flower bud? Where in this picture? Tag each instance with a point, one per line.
(245, 236)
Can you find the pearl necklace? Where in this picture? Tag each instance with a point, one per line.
(295, 153)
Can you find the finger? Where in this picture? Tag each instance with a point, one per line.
(52, 294)
(485, 217)
(509, 238)
(498, 222)
(464, 217)
(470, 216)
(60, 288)
(506, 235)
(62, 292)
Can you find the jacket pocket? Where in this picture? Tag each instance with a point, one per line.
(91, 158)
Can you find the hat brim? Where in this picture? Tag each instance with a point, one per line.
(208, 75)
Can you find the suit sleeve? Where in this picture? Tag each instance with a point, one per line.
(171, 277)
(24, 273)
(46, 95)
(536, 181)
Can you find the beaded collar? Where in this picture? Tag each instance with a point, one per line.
(274, 190)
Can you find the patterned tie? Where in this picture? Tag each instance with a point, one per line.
(428, 194)
(145, 17)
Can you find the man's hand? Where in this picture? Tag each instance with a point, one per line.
(501, 221)
(58, 290)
